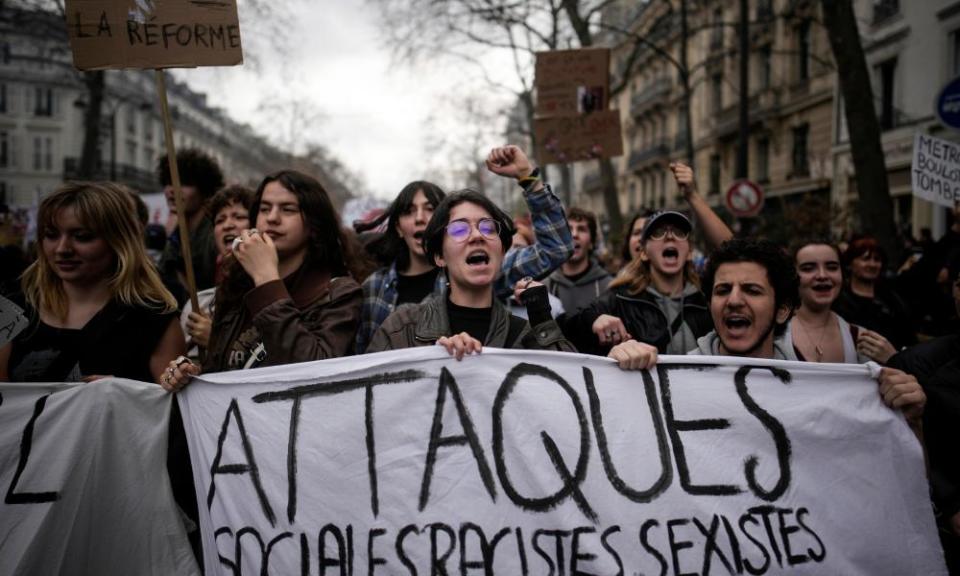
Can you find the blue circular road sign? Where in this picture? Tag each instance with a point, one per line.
(948, 104)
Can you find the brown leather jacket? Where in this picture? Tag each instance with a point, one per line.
(302, 318)
(424, 324)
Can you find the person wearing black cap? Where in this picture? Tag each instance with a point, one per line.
(656, 299)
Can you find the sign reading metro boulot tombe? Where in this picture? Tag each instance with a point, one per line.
(153, 33)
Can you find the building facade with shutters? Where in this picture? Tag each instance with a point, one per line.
(798, 146)
(43, 100)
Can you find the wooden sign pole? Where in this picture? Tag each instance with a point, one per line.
(177, 192)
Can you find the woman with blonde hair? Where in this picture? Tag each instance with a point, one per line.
(97, 305)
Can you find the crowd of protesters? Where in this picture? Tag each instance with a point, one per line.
(282, 280)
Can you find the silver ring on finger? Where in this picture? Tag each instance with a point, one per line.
(236, 243)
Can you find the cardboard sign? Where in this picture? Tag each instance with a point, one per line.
(574, 138)
(571, 82)
(153, 33)
(12, 321)
(936, 170)
(522, 462)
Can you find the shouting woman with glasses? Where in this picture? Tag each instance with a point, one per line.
(656, 299)
(466, 238)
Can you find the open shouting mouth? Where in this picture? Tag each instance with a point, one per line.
(737, 325)
(671, 255)
(478, 258)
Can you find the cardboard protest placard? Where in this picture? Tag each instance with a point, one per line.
(936, 170)
(574, 138)
(571, 82)
(523, 462)
(12, 320)
(153, 33)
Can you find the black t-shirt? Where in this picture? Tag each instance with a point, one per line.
(885, 313)
(117, 341)
(473, 321)
(413, 289)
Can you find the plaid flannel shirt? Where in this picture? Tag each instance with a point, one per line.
(379, 300)
(553, 246)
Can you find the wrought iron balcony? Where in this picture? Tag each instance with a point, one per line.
(639, 158)
(657, 92)
(138, 179)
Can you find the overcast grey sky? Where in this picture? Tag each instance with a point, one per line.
(374, 112)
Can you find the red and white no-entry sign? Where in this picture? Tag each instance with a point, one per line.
(744, 199)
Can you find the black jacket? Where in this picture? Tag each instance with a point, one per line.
(641, 316)
(936, 364)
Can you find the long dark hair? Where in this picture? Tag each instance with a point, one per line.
(328, 247)
(389, 247)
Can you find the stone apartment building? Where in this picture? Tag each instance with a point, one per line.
(42, 105)
(798, 144)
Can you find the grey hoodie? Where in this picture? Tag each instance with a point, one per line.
(709, 345)
(577, 295)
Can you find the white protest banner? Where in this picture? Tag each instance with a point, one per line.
(84, 481)
(936, 170)
(516, 462)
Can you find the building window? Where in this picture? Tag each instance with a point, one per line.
(955, 44)
(763, 159)
(883, 9)
(131, 120)
(3, 98)
(716, 37)
(765, 67)
(764, 9)
(886, 75)
(800, 164)
(680, 140)
(43, 101)
(132, 152)
(803, 50)
(6, 52)
(6, 150)
(37, 153)
(716, 93)
(147, 128)
(714, 173)
(48, 154)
